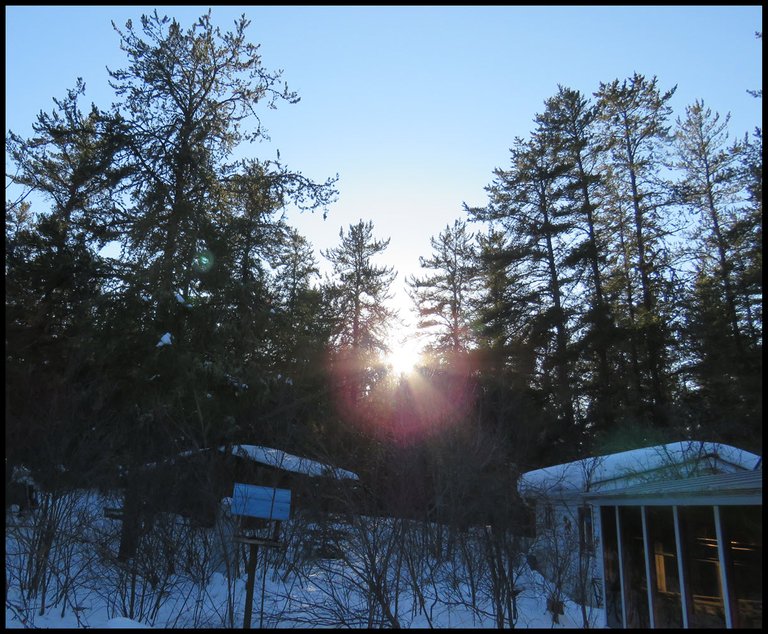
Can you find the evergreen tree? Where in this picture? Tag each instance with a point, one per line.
(570, 120)
(712, 188)
(510, 403)
(747, 238)
(361, 290)
(525, 200)
(199, 231)
(178, 333)
(55, 280)
(357, 297)
(724, 360)
(633, 114)
(302, 327)
(443, 296)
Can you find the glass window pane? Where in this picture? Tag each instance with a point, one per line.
(743, 529)
(611, 566)
(666, 583)
(702, 566)
(635, 590)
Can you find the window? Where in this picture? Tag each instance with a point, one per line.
(665, 578)
(743, 526)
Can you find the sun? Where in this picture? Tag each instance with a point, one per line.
(403, 357)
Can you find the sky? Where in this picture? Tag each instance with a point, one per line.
(412, 106)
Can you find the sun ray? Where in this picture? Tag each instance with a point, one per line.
(403, 357)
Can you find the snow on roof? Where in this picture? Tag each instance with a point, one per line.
(165, 340)
(744, 485)
(671, 461)
(283, 460)
(273, 458)
(22, 475)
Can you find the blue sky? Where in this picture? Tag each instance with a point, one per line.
(413, 107)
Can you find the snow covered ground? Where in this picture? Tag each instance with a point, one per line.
(372, 572)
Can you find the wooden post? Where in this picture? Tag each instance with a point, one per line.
(249, 587)
(275, 537)
(263, 503)
(131, 527)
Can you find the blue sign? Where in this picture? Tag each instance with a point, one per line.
(264, 502)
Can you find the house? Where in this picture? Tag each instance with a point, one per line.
(665, 536)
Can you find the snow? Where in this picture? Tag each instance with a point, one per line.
(274, 458)
(299, 584)
(122, 623)
(181, 300)
(292, 589)
(673, 460)
(165, 340)
(22, 475)
(289, 462)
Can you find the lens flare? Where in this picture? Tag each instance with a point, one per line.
(204, 261)
(405, 409)
(403, 359)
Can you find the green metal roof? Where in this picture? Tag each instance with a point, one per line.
(741, 488)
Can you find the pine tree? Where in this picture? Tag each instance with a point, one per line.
(510, 401)
(357, 297)
(724, 360)
(199, 231)
(747, 238)
(177, 334)
(525, 201)
(570, 120)
(361, 289)
(443, 295)
(633, 114)
(55, 280)
(712, 188)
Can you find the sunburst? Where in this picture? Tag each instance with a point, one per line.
(403, 357)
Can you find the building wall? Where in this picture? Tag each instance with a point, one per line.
(565, 550)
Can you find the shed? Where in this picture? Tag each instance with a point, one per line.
(668, 536)
(193, 484)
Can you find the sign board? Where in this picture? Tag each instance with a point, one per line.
(264, 502)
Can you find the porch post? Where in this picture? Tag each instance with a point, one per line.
(680, 568)
(721, 546)
(601, 561)
(621, 570)
(648, 579)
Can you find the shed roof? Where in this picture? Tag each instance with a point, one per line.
(742, 488)
(288, 462)
(673, 461)
(275, 458)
